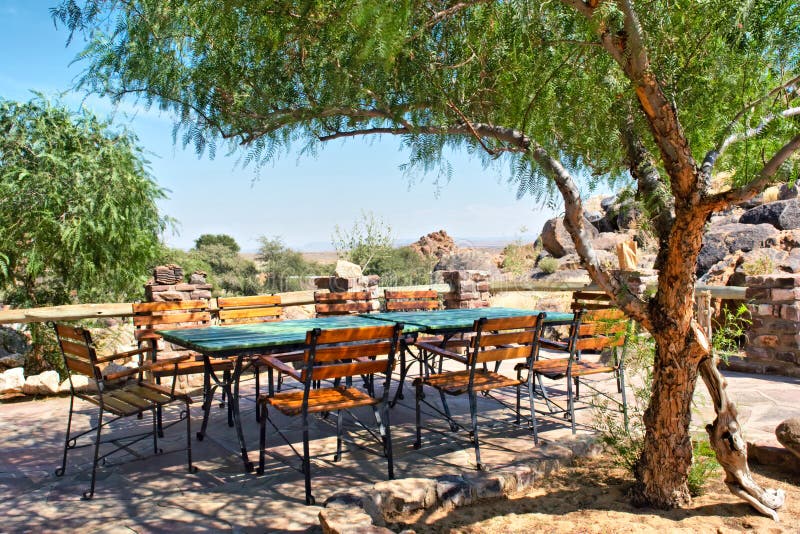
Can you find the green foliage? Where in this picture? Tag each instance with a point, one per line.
(731, 328)
(704, 465)
(232, 273)
(548, 264)
(225, 240)
(403, 266)
(368, 241)
(626, 446)
(285, 269)
(761, 265)
(78, 215)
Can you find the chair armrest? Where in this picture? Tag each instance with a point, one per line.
(278, 365)
(119, 355)
(434, 349)
(147, 366)
(552, 344)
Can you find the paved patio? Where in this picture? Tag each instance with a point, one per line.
(155, 494)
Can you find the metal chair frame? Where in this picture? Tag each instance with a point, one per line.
(358, 348)
(119, 399)
(494, 340)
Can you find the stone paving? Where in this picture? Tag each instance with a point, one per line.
(155, 494)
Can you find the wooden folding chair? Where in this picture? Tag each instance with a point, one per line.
(411, 301)
(150, 317)
(335, 354)
(495, 341)
(121, 393)
(597, 326)
(351, 303)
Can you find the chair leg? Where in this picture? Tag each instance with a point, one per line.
(156, 428)
(192, 468)
(89, 494)
(262, 437)
(257, 378)
(531, 396)
(419, 396)
(473, 410)
(233, 396)
(307, 461)
(519, 392)
(339, 416)
(403, 372)
(621, 382)
(386, 436)
(571, 403)
(60, 471)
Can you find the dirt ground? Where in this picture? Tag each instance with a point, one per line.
(591, 498)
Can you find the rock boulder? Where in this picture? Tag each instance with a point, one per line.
(557, 241)
(721, 240)
(788, 434)
(346, 269)
(11, 381)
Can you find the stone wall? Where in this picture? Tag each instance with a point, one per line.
(468, 289)
(773, 339)
(168, 284)
(339, 284)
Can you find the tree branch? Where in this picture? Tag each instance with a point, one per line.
(735, 196)
(441, 15)
(722, 141)
(574, 222)
(714, 154)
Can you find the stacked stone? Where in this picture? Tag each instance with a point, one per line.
(774, 334)
(468, 289)
(339, 284)
(168, 285)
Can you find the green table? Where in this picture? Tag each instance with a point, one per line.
(442, 321)
(248, 339)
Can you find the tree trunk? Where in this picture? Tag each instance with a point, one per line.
(663, 467)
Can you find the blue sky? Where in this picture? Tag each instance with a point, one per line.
(299, 199)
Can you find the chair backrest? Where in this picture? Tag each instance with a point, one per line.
(411, 300)
(343, 352)
(598, 323)
(255, 309)
(506, 338)
(150, 317)
(590, 300)
(351, 303)
(78, 350)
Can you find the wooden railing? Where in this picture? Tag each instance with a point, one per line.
(298, 298)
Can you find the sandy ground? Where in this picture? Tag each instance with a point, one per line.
(591, 498)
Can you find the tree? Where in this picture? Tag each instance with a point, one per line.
(665, 95)
(369, 240)
(225, 240)
(285, 269)
(78, 214)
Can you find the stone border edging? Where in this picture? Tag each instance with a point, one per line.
(370, 511)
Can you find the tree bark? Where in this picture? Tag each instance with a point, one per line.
(663, 467)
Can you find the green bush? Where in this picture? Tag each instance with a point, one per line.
(284, 269)
(548, 265)
(704, 465)
(401, 267)
(518, 258)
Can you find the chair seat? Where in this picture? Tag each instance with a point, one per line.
(320, 400)
(191, 367)
(557, 367)
(457, 382)
(133, 398)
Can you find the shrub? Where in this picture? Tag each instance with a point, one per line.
(284, 269)
(548, 265)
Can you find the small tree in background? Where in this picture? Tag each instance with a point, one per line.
(367, 241)
(78, 214)
(207, 240)
(285, 269)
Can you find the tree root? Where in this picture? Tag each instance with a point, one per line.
(728, 443)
